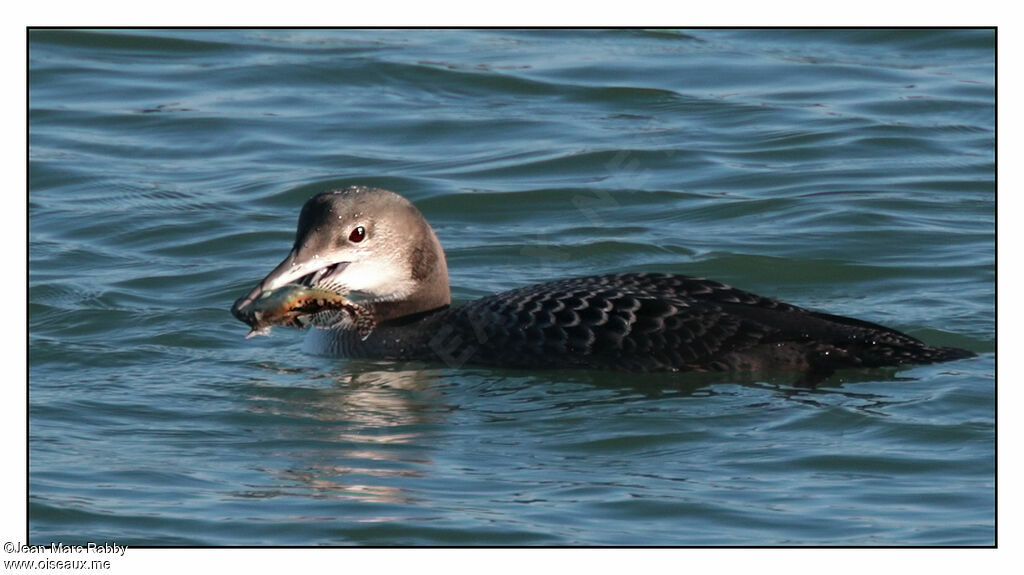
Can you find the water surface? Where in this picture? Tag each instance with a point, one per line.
(848, 171)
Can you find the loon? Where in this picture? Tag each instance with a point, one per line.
(376, 247)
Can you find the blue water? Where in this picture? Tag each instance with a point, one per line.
(847, 171)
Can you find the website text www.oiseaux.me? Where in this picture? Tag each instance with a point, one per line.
(61, 556)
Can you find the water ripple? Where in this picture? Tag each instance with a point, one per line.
(850, 171)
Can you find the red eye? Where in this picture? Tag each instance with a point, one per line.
(357, 235)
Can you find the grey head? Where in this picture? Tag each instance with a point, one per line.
(370, 243)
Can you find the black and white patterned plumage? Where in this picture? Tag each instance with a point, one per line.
(645, 322)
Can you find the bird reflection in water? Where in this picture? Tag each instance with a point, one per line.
(344, 441)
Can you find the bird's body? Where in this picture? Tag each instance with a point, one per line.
(376, 245)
